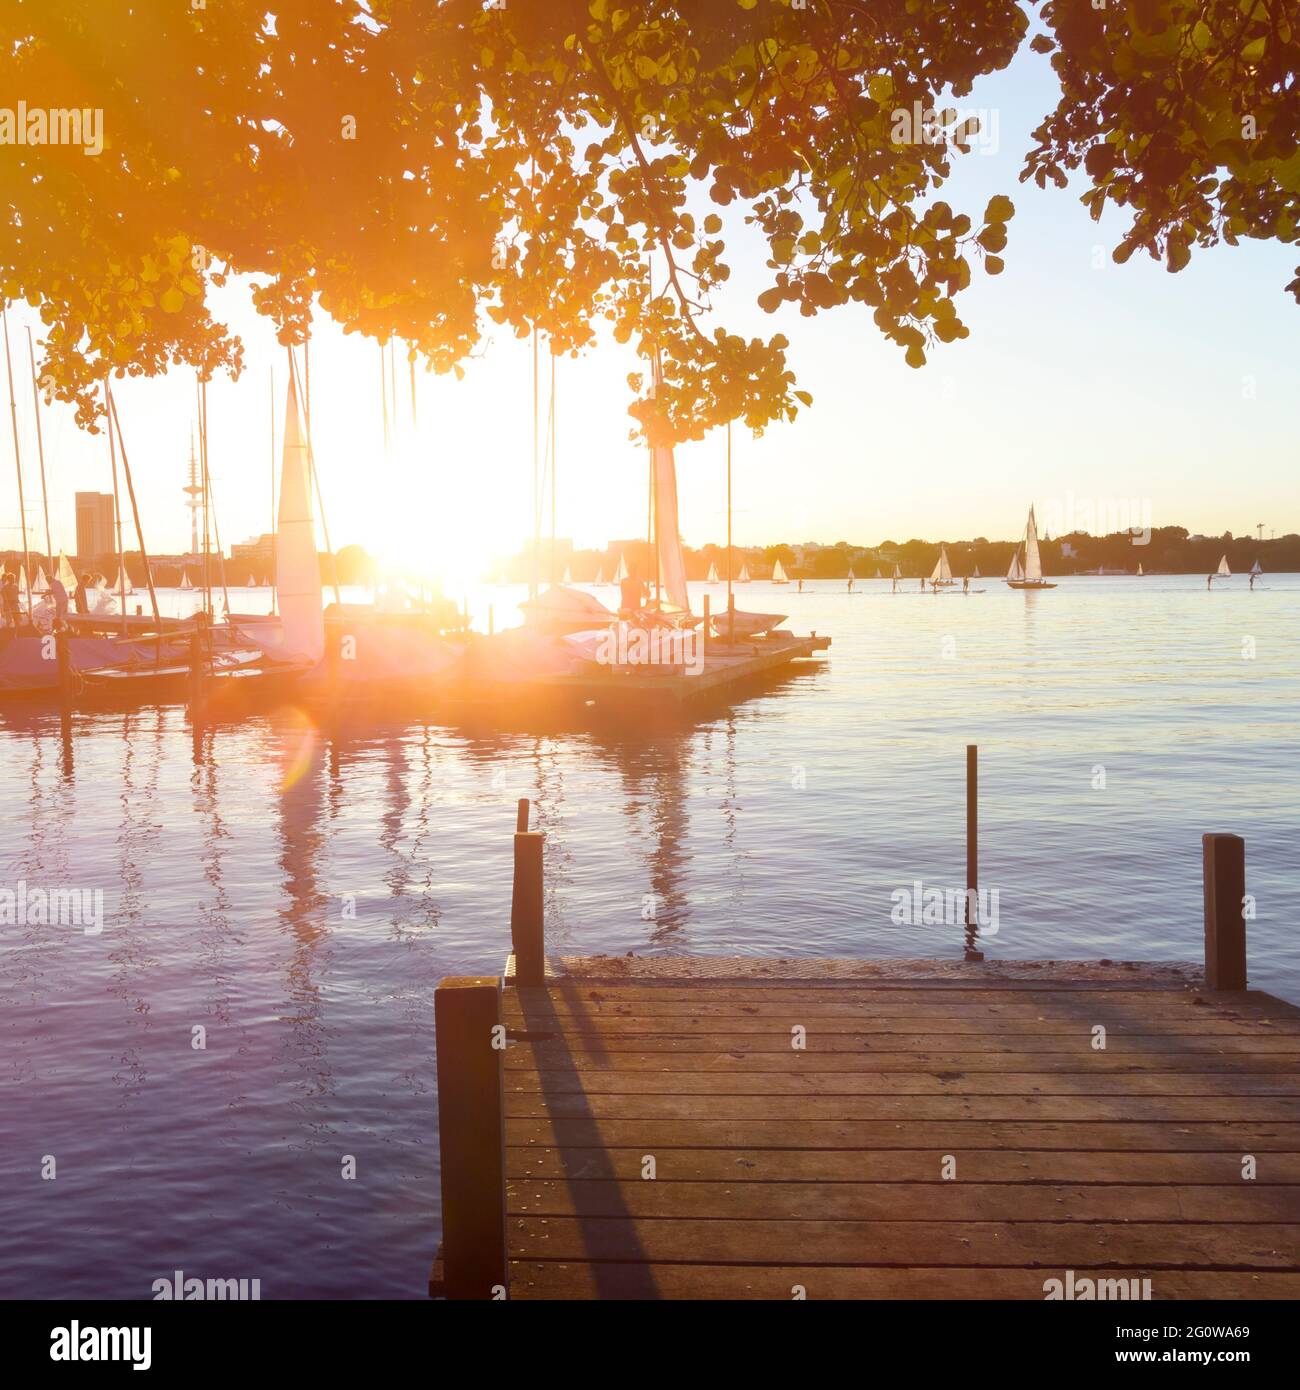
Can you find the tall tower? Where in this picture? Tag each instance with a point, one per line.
(195, 493)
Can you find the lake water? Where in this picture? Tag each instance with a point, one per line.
(298, 892)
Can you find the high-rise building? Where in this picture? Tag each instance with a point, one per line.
(95, 525)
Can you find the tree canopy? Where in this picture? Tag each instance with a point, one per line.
(423, 170)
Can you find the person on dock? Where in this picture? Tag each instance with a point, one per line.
(60, 596)
(631, 594)
(12, 601)
(81, 595)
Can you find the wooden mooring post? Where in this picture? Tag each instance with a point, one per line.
(1224, 860)
(972, 850)
(470, 1039)
(527, 915)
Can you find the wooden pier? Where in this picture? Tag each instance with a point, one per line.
(619, 1127)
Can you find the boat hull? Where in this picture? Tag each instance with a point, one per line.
(1029, 584)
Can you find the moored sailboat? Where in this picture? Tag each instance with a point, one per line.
(779, 575)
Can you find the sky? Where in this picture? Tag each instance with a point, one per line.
(1086, 388)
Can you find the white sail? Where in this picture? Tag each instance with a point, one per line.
(779, 574)
(41, 583)
(1015, 572)
(568, 578)
(600, 574)
(712, 576)
(853, 576)
(297, 566)
(67, 575)
(620, 574)
(1256, 568)
(1139, 568)
(123, 585)
(1033, 561)
(743, 576)
(1223, 569)
(251, 584)
(667, 532)
(977, 574)
(898, 573)
(942, 571)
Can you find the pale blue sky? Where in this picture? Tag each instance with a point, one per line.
(1109, 384)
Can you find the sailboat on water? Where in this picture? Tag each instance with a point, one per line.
(600, 576)
(185, 580)
(712, 576)
(620, 574)
(942, 576)
(1256, 568)
(567, 577)
(975, 574)
(1030, 574)
(123, 584)
(743, 576)
(853, 578)
(1139, 573)
(1223, 572)
(778, 574)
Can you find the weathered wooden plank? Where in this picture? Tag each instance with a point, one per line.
(1205, 1024)
(629, 1082)
(921, 1201)
(820, 1166)
(955, 1107)
(652, 1135)
(878, 991)
(532, 1057)
(896, 1005)
(1268, 1041)
(557, 1279)
(991, 1244)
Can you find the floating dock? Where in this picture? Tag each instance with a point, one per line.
(713, 1128)
(723, 668)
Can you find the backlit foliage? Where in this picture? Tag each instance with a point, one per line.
(423, 170)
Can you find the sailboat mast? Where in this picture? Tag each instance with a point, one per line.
(203, 479)
(383, 395)
(117, 507)
(135, 512)
(273, 518)
(212, 509)
(533, 581)
(18, 464)
(552, 452)
(315, 477)
(40, 449)
(731, 605)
